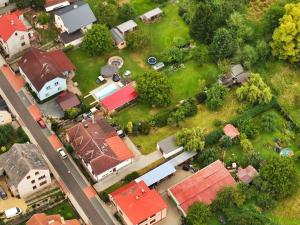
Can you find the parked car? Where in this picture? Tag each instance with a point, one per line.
(186, 167)
(12, 212)
(3, 194)
(41, 123)
(121, 133)
(62, 153)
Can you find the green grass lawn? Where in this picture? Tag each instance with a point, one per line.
(64, 209)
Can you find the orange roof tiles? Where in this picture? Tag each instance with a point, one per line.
(120, 149)
(43, 219)
(9, 24)
(202, 186)
(138, 202)
(231, 131)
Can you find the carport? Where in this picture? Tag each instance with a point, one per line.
(157, 174)
(182, 158)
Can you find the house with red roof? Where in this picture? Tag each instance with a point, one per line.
(202, 186)
(14, 35)
(120, 98)
(139, 205)
(231, 131)
(99, 147)
(46, 72)
(43, 219)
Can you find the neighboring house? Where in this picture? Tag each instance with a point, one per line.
(46, 72)
(5, 118)
(14, 35)
(73, 21)
(231, 131)
(99, 147)
(120, 98)
(168, 147)
(51, 5)
(43, 219)
(247, 175)
(25, 169)
(237, 76)
(119, 33)
(4, 3)
(67, 100)
(202, 186)
(138, 205)
(152, 15)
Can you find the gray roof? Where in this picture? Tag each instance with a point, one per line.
(129, 25)
(152, 13)
(67, 38)
(243, 77)
(108, 70)
(237, 69)
(181, 158)
(168, 144)
(19, 160)
(76, 16)
(117, 36)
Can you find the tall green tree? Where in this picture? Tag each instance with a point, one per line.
(255, 91)
(191, 139)
(198, 214)
(216, 96)
(286, 41)
(126, 12)
(137, 40)
(107, 13)
(97, 40)
(154, 89)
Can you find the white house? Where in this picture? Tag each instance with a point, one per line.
(46, 72)
(3, 3)
(25, 169)
(99, 147)
(168, 147)
(14, 35)
(73, 21)
(51, 5)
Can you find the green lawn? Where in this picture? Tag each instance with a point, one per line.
(64, 209)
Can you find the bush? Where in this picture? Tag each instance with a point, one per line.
(213, 137)
(265, 201)
(227, 142)
(54, 125)
(22, 136)
(268, 122)
(43, 18)
(247, 127)
(130, 177)
(104, 196)
(201, 54)
(161, 119)
(189, 107)
(201, 97)
(144, 128)
(69, 149)
(216, 96)
(72, 113)
(207, 156)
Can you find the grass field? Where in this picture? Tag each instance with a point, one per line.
(64, 209)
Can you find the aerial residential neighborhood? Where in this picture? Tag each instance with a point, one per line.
(141, 112)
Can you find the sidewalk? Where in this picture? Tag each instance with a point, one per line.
(139, 162)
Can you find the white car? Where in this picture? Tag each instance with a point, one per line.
(12, 212)
(62, 153)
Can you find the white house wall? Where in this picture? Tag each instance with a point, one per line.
(17, 42)
(26, 187)
(52, 87)
(60, 24)
(3, 3)
(168, 155)
(57, 6)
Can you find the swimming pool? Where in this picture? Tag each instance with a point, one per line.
(105, 91)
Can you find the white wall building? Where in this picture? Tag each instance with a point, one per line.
(3, 3)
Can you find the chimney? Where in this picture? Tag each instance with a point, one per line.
(137, 197)
(12, 22)
(85, 125)
(143, 190)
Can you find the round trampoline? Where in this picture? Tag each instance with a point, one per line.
(152, 60)
(116, 61)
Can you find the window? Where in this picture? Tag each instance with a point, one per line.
(28, 177)
(33, 181)
(34, 187)
(44, 182)
(37, 173)
(152, 221)
(23, 43)
(48, 88)
(16, 34)
(120, 212)
(42, 177)
(56, 83)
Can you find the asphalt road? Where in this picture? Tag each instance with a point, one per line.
(73, 180)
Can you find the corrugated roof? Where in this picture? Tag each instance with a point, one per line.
(157, 174)
(76, 16)
(152, 13)
(202, 186)
(168, 144)
(117, 36)
(128, 25)
(184, 156)
(120, 98)
(138, 202)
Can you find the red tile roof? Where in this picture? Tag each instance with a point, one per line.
(9, 24)
(89, 139)
(67, 100)
(138, 202)
(231, 131)
(43, 219)
(119, 98)
(41, 67)
(246, 175)
(202, 186)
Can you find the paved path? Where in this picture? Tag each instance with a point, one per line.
(68, 175)
(139, 162)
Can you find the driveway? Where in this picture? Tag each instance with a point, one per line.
(11, 201)
(51, 109)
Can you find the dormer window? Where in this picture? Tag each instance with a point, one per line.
(16, 34)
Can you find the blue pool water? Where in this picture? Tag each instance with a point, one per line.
(106, 91)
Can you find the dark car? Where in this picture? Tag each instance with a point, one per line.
(3, 194)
